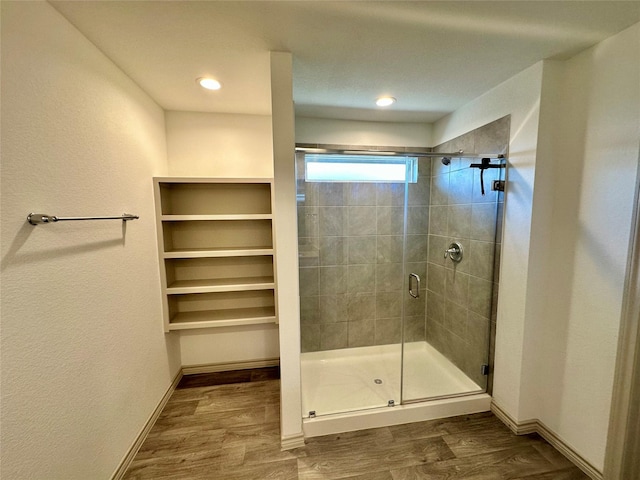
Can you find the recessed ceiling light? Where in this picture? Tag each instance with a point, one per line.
(385, 101)
(208, 83)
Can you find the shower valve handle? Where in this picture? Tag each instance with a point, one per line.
(449, 251)
(454, 252)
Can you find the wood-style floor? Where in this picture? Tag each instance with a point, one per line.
(230, 431)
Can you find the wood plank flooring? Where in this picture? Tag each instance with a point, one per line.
(230, 431)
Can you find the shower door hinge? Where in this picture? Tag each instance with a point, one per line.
(484, 369)
(497, 186)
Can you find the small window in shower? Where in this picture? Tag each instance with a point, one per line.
(360, 168)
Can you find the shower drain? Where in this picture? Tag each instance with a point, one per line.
(377, 381)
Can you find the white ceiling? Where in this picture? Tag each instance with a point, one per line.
(432, 56)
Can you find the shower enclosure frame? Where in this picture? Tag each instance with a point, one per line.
(407, 409)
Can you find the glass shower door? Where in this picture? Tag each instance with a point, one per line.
(451, 240)
(351, 239)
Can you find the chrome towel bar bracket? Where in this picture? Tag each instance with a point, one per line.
(39, 218)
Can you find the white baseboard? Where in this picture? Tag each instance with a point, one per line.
(536, 426)
(228, 366)
(133, 450)
(292, 441)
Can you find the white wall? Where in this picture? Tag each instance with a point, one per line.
(219, 145)
(541, 246)
(229, 345)
(520, 98)
(222, 145)
(573, 157)
(350, 132)
(572, 343)
(84, 357)
(287, 247)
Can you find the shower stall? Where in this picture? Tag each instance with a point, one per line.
(398, 276)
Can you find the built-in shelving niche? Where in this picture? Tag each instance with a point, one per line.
(217, 252)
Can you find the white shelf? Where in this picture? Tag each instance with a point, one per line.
(223, 318)
(222, 252)
(185, 218)
(220, 285)
(208, 230)
(213, 180)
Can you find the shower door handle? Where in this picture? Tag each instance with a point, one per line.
(413, 276)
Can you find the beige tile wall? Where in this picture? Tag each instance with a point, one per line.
(351, 273)
(460, 296)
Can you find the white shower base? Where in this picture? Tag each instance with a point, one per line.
(340, 386)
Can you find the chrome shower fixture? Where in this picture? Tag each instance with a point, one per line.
(454, 252)
(446, 160)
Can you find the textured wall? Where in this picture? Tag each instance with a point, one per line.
(219, 145)
(592, 105)
(573, 155)
(84, 357)
(351, 132)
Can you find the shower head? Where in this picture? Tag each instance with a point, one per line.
(446, 160)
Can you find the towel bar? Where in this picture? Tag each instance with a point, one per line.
(39, 218)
